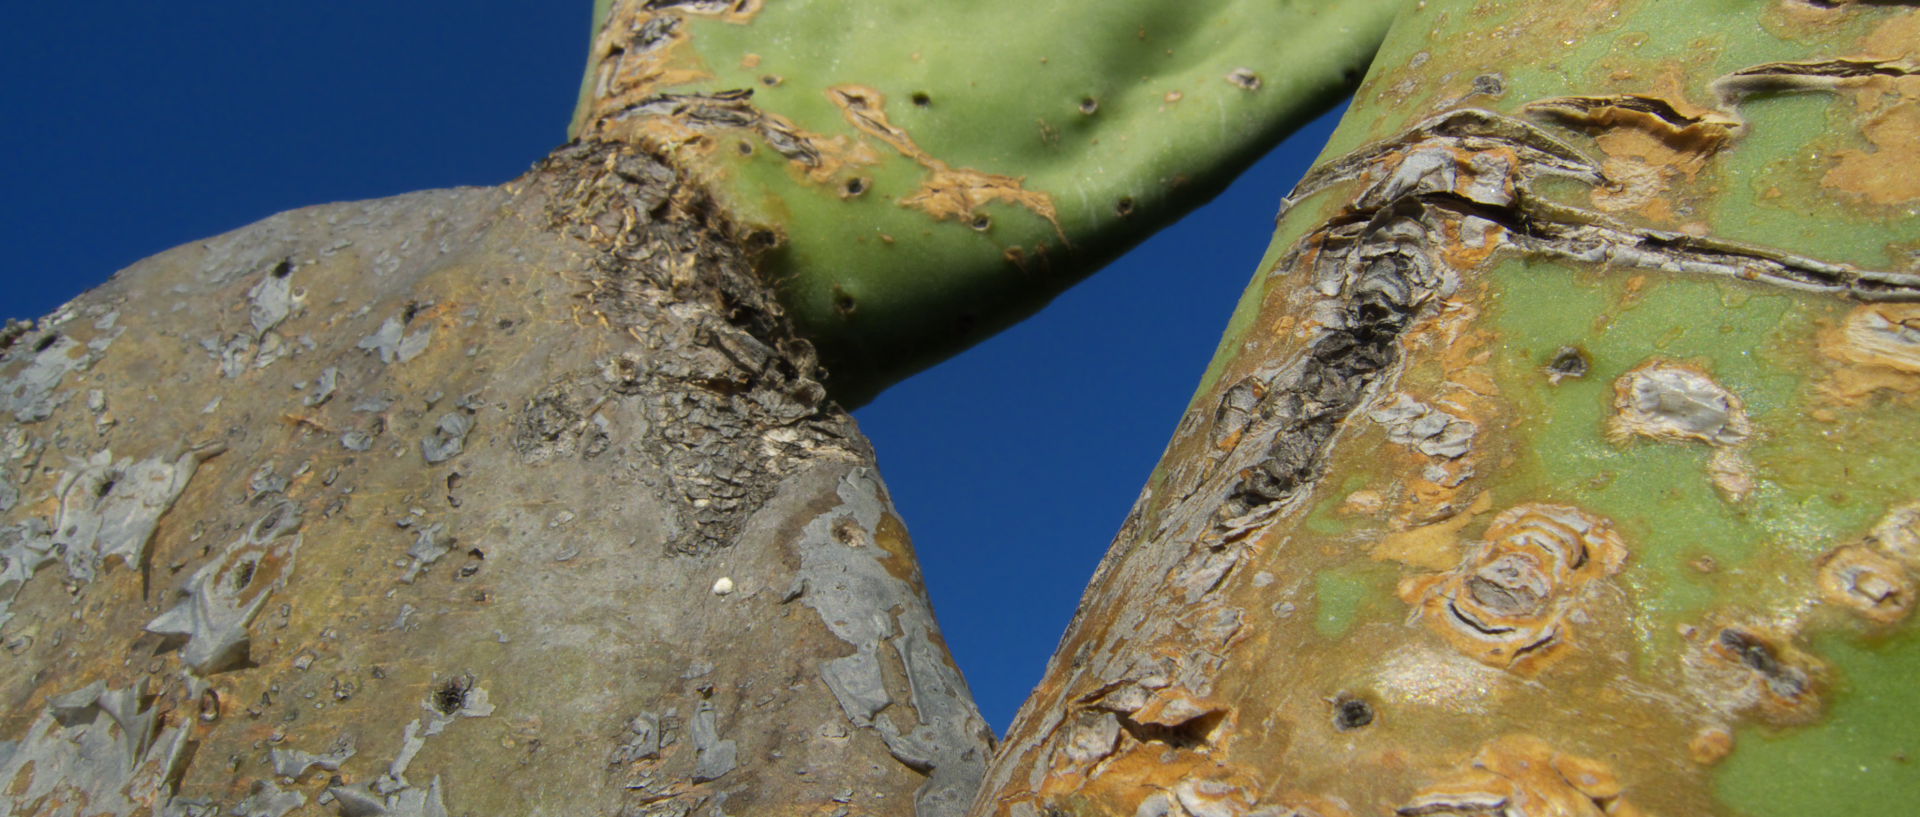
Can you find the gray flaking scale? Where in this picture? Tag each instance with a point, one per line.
(393, 344)
(646, 739)
(215, 615)
(110, 508)
(9, 495)
(714, 757)
(857, 683)
(98, 749)
(430, 543)
(30, 394)
(357, 801)
(323, 387)
(356, 440)
(24, 549)
(1424, 428)
(448, 437)
(390, 794)
(293, 762)
(850, 588)
(268, 800)
(272, 299)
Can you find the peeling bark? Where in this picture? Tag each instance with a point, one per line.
(1425, 546)
(513, 500)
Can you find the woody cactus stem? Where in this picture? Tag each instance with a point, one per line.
(922, 189)
(1552, 463)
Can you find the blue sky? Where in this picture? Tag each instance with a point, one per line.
(132, 127)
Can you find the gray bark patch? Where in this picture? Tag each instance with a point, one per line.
(30, 395)
(848, 584)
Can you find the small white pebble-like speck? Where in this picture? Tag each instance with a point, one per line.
(722, 586)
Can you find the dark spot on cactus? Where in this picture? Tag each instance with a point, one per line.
(745, 147)
(106, 486)
(504, 324)
(1124, 207)
(1245, 78)
(244, 576)
(407, 314)
(843, 302)
(921, 99)
(283, 269)
(1351, 713)
(1489, 85)
(771, 80)
(209, 705)
(981, 222)
(856, 186)
(1088, 105)
(1759, 656)
(1570, 361)
(47, 342)
(760, 241)
(451, 695)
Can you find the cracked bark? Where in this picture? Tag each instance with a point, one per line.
(1398, 557)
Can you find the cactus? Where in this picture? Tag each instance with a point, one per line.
(1554, 460)
(1551, 464)
(925, 190)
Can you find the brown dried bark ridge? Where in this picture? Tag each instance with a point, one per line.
(515, 500)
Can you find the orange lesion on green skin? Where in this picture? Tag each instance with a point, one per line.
(948, 192)
(631, 73)
(1877, 347)
(1656, 146)
(1888, 111)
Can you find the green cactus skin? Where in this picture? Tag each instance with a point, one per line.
(1660, 259)
(1066, 134)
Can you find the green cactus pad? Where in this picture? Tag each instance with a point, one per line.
(935, 172)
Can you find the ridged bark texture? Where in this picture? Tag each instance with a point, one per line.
(1555, 460)
(519, 500)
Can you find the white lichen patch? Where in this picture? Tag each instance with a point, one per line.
(1662, 400)
(1671, 402)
